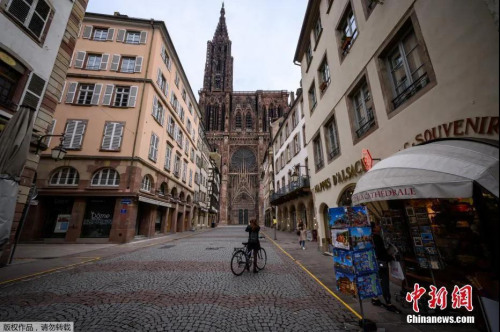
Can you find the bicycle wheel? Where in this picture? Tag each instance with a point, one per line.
(238, 262)
(261, 259)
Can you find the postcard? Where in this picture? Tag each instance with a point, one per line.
(345, 283)
(338, 217)
(409, 211)
(340, 238)
(343, 260)
(359, 216)
(365, 261)
(417, 241)
(426, 236)
(361, 238)
(368, 286)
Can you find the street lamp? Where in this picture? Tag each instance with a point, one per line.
(58, 152)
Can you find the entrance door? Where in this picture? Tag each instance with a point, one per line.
(243, 217)
(159, 217)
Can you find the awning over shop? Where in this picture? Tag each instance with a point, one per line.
(155, 202)
(441, 169)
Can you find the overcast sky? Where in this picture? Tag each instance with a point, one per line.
(264, 34)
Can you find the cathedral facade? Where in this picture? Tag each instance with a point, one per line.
(237, 125)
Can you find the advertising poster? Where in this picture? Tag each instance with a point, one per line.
(359, 216)
(62, 223)
(368, 286)
(345, 283)
(338, 217)
(340, 238)
(365, 261)
(361, 238)
(342, 260)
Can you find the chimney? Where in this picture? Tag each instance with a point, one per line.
(117, 13)
(292, 98)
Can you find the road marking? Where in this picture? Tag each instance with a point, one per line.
(48, 271)
(315, 278)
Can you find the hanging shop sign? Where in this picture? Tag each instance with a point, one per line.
(344, 175)
(486, 125)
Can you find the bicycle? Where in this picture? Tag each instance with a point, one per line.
(243, 259)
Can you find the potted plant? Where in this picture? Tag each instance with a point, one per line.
(346, 41)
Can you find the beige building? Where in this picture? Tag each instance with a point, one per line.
(130, 124)
(384, 76)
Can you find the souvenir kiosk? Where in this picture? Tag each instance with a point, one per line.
(437, 203)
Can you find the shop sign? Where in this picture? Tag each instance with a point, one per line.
(7, 59)
(400, 193)
(486, 125)
(367, 159)
(126, 201)
(344, 175)
(62, 223)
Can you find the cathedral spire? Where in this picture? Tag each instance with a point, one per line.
(221, 30)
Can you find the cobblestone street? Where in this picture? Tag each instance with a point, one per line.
(183, 285)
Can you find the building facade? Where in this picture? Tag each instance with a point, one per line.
(201, 179)
(237, 127)
(36, 44)
(130, 125)
(387, 76)
(292, 195)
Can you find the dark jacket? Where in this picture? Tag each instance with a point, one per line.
(253, 237)
(380, 251)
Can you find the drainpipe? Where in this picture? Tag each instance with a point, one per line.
(140, 106)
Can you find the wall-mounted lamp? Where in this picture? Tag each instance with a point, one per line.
(58, 152)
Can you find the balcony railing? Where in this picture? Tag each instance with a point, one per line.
(421, 82)
(301, 183)
(365, 123)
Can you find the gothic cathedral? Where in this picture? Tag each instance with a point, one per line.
(237, 125)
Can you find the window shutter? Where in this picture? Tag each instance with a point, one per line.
(104, 62)
(116, 140)
(133, 96)
(97, 94)
(158, 76)
(71, 60)
(166, 89)
(34, 91)
(78, 137)
(138, 64)
(80, 58)
(111, 34)
(70, 96)
(163, 53)
(120, 37)
(115, 62)
(144, 37)
(87, 31)
(68, 133)
(73, 135)
(155, 106)
(62, 92)
(80, 26)
(107, 94)
(108, 133)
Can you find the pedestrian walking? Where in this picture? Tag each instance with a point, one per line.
(302, 236)
(253, 241)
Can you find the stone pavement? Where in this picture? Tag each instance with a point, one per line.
(182, 282)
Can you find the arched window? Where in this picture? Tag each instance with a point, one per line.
(248, 121)
(146, 183)
(238, 121)
(106, 177)
(163, 189)
(65, 176)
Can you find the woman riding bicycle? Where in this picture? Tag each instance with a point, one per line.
(253, 241)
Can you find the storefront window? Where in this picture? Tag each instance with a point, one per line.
(98, 217)
(58, 217)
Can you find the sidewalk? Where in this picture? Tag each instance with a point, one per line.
(31, 260)
(321, 266)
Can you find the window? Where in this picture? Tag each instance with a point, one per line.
(296, 143)
(153, 147)
(288, 154)
(171, 126)
(85, 94)
(183, 94)
(32, 14)
(168, 157)
(165, 57)
(146, 183)
(309, 55)
(113, 133)
(122, 94)
(177, 165)
(317, 30)
(190, 177)
(348, 31)
(192, 155)
(132, 37)
(287, 132)
(107, 177)
(369, 5)
(324, 75)
(73, 134)
(161, 81)
(93, 62)
(238, 121)
(408, 68)
(10, 77)
(128, 65)
(177, 79)
(163, 189)
(65, 176)
(294, 118)
(332, 143)
(248, 120)
(100, 34)
(158, 111)
(363, 109)
(312, 97)
(318, 153)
